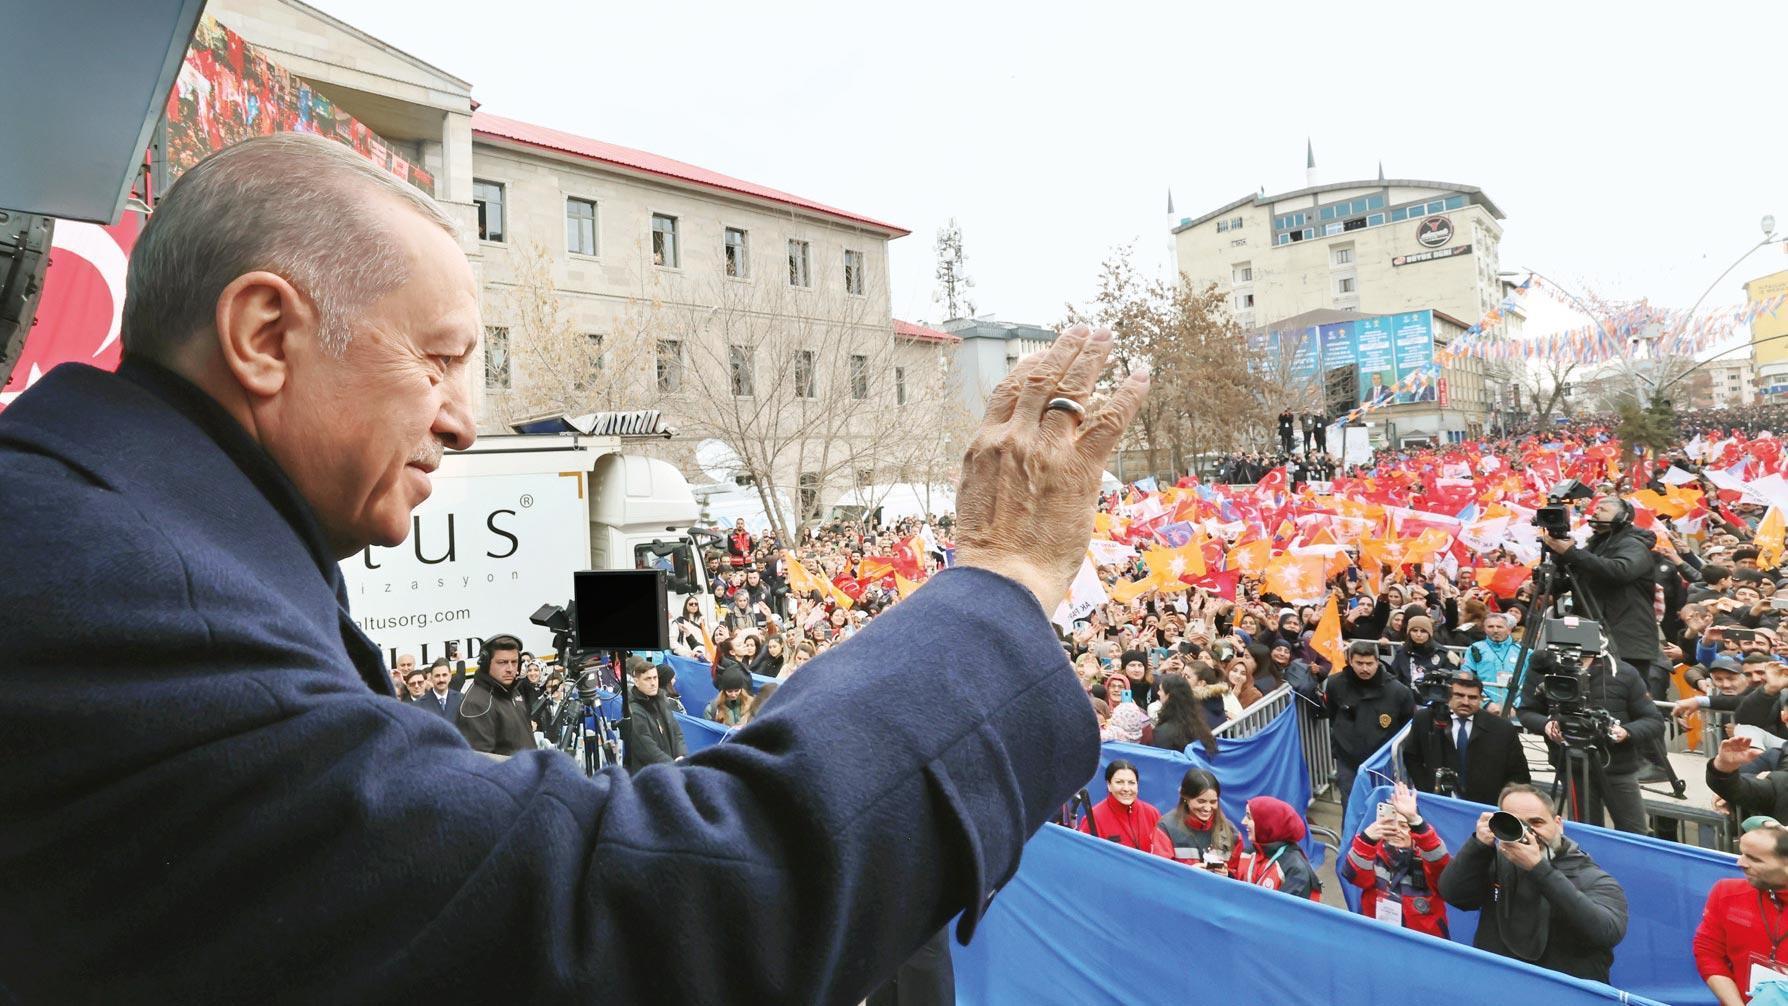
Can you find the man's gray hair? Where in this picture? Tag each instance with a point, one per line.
(1507, 620)
(300, 206)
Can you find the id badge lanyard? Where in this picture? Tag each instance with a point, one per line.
(1269, 865)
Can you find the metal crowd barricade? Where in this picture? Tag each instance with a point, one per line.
(1713, 729)
(1313, 733)
(1255, 718)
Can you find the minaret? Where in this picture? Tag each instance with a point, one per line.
(1381, 171)
(1309, 163)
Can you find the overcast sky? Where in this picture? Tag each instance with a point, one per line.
(1633, 153)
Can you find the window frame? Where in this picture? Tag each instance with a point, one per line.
(676, 242)
(740, 371)
(806, 263)
(740, 270)
(481, 208)
(595, 231)
(669, 380)
(859, 377)
(862, 262)
(496, 338)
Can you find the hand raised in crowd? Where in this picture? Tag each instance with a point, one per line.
(1403, 797)
(1031, 476)
(1736, 752)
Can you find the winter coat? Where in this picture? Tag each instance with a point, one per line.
(1135, 826)
(1275, 860)
(492, 717)
(1363, 714)
(1412, 662)
(1411, 875)
(653, 736)
(1494, 664)
(1565, 915)
(1217, 703)
(1191, 842)
(1616, 570)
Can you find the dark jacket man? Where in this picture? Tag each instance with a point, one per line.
(203, 597)
(493, 717)
(1493, 753)
(653, 735)
(1366, 707)
(444, 706)
(1620, 691)
(1616, 570)
(1570, 907)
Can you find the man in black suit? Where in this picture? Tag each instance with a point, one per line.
(1493, 759)
(441, 699)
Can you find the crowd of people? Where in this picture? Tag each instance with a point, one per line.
(1689, 611)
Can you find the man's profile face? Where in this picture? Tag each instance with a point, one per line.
(1465, 700)
(359, 434)
(1608, 510)
(440, 678)
(1757, 857)
(505, 666)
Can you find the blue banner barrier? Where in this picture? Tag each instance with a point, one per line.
(1377, 770)
(1666, 885)
(1183, 935)
(695, 682)
(700, 734)
(1268, 763)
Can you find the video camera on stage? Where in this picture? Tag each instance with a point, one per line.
(1564, 681)
(1554, 519)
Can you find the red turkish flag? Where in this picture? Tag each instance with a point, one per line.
(79, 314)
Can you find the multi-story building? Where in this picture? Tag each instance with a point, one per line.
(613, 278)
(986, 353)
(1382, 246)
(1730, 382)
(1769, 335)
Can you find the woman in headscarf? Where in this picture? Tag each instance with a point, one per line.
(1126, 719)
(1123, 818)
(1201, 835)
(1272, 856)
(1238, 673)
(1397, 860)
(1267, 675)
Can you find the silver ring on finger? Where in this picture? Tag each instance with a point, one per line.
(1066, 405)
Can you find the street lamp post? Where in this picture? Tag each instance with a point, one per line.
(1768, 224)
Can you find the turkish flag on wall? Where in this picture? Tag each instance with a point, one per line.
(82, 304)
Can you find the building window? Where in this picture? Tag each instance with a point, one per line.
(670, 365)
(804, 383)
(1242, 272)
(664, 241)
(1375, 220)
(738, 263)
(488, 197)
(593, 346)
(1235, 223)
(1244, 302)
(1329, 230)
(809, 486)
(496, 359)
(799, 264)
(1345, 284)
(1455, 202)
(580, 226)
(1342, 255)
(738, 361)
(1222, 225)
(1375, 201)
(853, 272)
(859, 377)
(900, 385)
(1356, 224)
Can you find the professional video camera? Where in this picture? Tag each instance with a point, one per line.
(1555, 517)
(1446, 781)
(1434, 687)
(1564, 680)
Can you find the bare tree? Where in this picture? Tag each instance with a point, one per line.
(805, 385)
(953, 282)
(549, 361)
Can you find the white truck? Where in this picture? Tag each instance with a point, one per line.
(508, 523)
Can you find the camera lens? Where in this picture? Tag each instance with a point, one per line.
(1507, 827)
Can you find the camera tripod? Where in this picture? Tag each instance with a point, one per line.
(1575, 787)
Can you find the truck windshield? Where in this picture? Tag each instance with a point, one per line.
(680, 563)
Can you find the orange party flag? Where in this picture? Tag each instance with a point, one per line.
(1326, 641)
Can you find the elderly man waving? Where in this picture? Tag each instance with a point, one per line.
(208, 796)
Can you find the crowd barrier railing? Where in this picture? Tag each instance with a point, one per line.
(1313, 733)
(1257, 716)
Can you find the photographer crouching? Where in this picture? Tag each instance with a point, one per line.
(1597, 718)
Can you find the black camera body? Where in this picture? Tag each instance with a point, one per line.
(1432, 688)
(1564, 680)
(1446, 781)
(1554, 519)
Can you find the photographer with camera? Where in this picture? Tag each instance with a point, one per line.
(1594, 708)
(1540, 898)
(1492, 756)
(1612, 577)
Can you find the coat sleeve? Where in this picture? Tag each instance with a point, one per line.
(1627, 561)
(1710, 939)
(1465, 883)
(1597, 910)
(1747, 793)
(1643, 720)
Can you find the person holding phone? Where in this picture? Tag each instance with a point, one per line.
(1397, 860)
(1202, 836)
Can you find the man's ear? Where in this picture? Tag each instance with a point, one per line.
(260, 316)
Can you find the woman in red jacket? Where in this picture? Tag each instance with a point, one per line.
(1397, 861)
(1124, 819)
(1272, 856)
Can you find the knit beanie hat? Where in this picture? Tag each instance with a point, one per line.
(1418, 622)
(1133, 657)
(733, 679)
